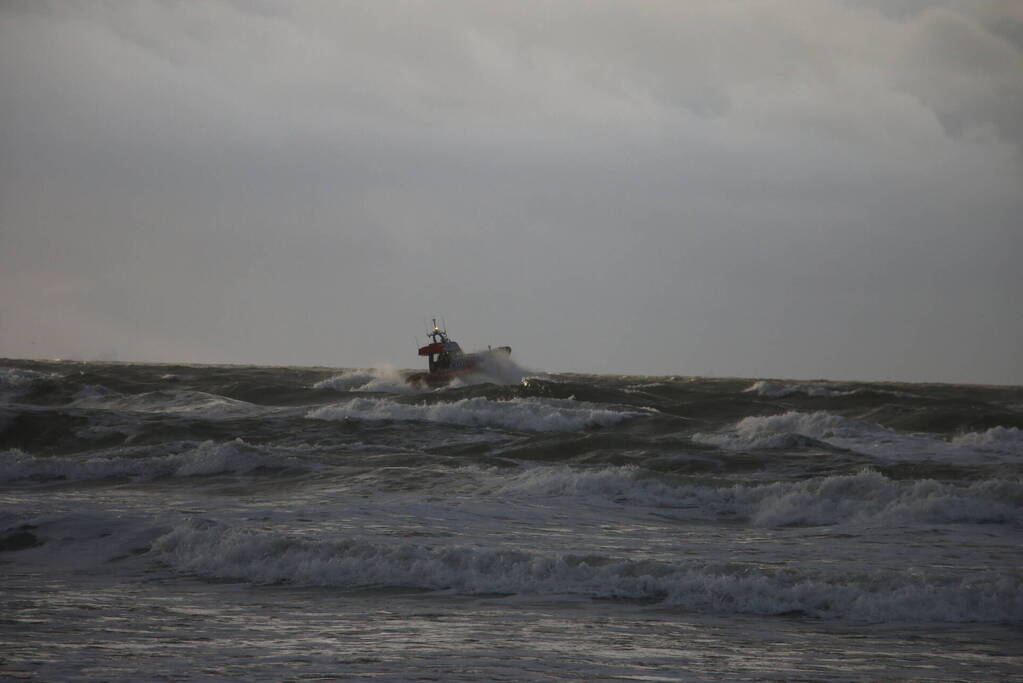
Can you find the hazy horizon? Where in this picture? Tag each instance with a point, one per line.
(803, 190)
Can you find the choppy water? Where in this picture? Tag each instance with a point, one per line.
(193, 523)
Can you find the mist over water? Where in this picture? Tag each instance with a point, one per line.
(272, 523)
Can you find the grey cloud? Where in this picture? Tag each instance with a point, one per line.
(802, 189)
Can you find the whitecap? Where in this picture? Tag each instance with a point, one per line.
(867, 497)
(185, 403)
(206, 458)
(784, 430)
(779, 390)
(815, 390)
(1000, 439)
(264, 557)
(18, 379)
(522, 414)
(791, 430)
(379, 378)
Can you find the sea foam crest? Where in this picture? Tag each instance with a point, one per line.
(866, 497)
(383, 378)
(870, 497)
(22, 378)
(817, 390)
(783, 431)
(779, 390)
(379, 378)
(263, 557)
(185, 403)
(1004, 439)
(522, 414)
(206, 458)
(794, 429)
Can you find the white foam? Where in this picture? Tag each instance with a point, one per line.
(22, 378)
(496, 368)
(815, 390)
(778, 390)
(169, 402)
(218, 551)
(235, 456)
(871, 498)
(1000, 439)
(522, 414)
(643, 388)
(206, 458)
(782, 431)
(867, 497)
(379, 378)
(791, 430)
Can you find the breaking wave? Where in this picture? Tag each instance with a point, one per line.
(1004, 439)
(790, 430)
(168, 402)
(867, 497)
(217, 551)
(207, 458)
(18, 379)
(816, 390)
(779, 390)
(795, 430)
(493, 369)
(521, 414)
(380, 378)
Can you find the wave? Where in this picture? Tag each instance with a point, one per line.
(493, 369)
(217, 551)
(521, 414)
(789, 430)
(184, 403)
(867, 497)
(20, 379)
(379, 378)
(797, 430)
(204, 459)
(779, 390)
(1003, 439)
(816, 390)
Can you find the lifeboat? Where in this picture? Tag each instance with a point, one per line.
(447, 361)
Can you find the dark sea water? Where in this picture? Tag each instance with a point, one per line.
(260, 523)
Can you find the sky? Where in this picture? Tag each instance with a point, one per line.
(745, 188)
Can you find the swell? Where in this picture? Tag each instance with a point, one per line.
(867, 497)
(181, 459)
(796, 430)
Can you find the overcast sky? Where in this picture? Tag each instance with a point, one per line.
(818, 189)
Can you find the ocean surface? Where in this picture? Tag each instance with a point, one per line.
(169, 522)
